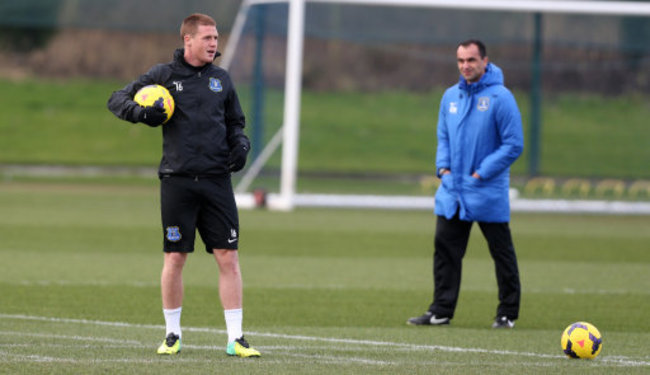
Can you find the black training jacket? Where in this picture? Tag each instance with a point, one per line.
(208, 120)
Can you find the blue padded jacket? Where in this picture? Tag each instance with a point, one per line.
(479, 130)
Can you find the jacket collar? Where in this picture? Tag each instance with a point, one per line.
(179, 54)
(493, 76)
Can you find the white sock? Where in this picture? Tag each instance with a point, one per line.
(234, 319)
(173, 321)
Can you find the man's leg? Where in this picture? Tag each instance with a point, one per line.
(450, 245)
(230, 281)
(171, 286)
(231, 295)
(171, 280)
(507, 272)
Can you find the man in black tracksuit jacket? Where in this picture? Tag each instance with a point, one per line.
(207, 123)
(203, 142)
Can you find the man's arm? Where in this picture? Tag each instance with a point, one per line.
(512, 139)
(443, 160)
(237, 140)
(121, 102)
(235, 120)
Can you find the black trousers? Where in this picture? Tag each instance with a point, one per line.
(450, 245)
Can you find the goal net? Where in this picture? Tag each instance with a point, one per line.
(342, 95)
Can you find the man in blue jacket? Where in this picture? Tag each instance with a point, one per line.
(479, 136)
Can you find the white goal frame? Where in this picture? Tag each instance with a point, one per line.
(289, 132)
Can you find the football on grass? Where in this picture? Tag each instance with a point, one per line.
(581, 340)
(156, 95)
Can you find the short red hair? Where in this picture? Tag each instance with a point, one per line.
(191, 23)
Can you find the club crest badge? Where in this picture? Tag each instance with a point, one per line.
(453, 107)
(483, 103)
(233, 236)
(215, 85)
(173, 234)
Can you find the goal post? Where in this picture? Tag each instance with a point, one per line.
(290, 127)
(291, 123)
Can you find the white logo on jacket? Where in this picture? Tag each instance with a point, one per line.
(483, 103)
(453, 107)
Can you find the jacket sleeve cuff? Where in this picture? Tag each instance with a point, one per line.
(440, 170)
(136, 112)
(238, 138)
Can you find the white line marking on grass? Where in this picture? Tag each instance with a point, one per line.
(619, 360)
(313, 357)
(136, 284)
(5, 356)
(83, 321)
(335, 359)
(10, 357)
(403, 345)
(64, 337)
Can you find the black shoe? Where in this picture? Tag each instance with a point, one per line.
(503, 322)
(428, 319)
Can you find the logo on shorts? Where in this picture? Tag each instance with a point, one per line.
(173, 234)
(233, 236)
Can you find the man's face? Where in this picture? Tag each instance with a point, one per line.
(470, 63)
(202, 46)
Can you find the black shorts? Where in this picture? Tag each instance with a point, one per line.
(203, 203)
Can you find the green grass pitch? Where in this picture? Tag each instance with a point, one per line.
(326, 291)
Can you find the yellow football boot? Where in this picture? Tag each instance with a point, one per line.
(171, 345)
(240, 348)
